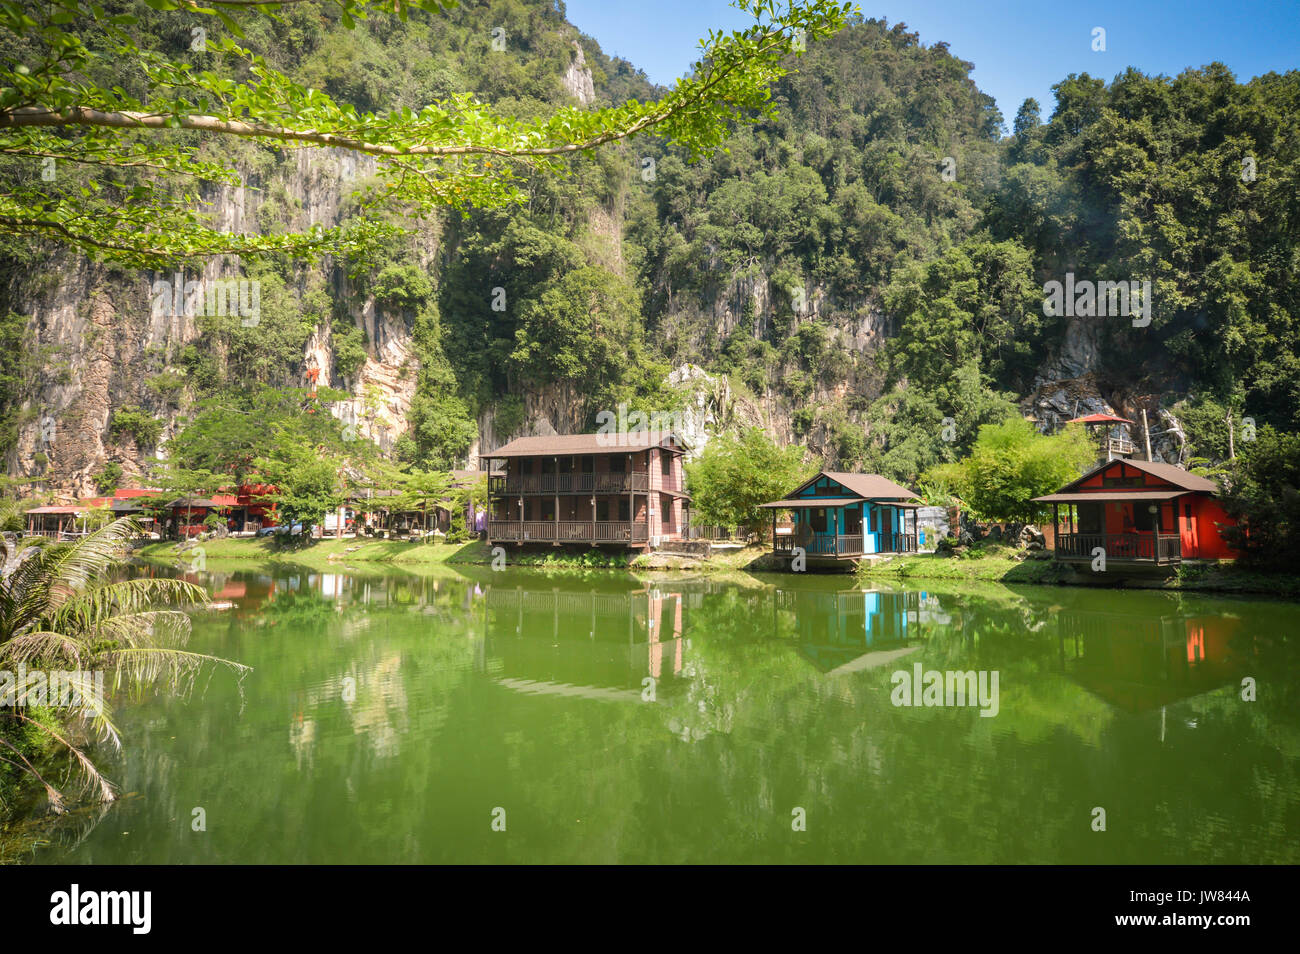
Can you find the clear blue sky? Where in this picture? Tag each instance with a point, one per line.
(1019, 47)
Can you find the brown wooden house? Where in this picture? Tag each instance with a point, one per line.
(624, 490)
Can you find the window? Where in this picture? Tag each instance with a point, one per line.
(548, 509)
(1122, 481)
(588, 465)
(1142, 515)
(665, 463)
(1091, 518)
(624, 513)
(602, 510)
(871, 519)
(617, 464)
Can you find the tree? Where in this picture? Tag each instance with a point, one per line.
(1010, 465)
(466, 500)
(735, 473)
(62, 608)
(1264, 499)
(423, 490)
(228, 433)
(58, 104)
(307, 481)
(109, 479)
(978, 303)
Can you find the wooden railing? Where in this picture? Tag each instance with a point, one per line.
(609, 483)
(1119, 445)
(567, 531)
(898, 543)
(850, 544)
(716, 534)
(1157, 548)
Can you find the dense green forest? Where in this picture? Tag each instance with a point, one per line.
(872, 260)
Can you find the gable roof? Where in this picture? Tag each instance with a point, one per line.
(1167, 472)
(600, 443)
(866, 486)
(1099, 419)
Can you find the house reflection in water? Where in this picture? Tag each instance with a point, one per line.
(851, 630)
(596, 645)
(1139, 665)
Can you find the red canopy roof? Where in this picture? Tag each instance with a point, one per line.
(1100, 419)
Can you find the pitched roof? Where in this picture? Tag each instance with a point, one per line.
(864, 486)
(1166, 472)
(811, 502)
(1175, 475)
(868, 486)
(565, 444)
(1099, 419)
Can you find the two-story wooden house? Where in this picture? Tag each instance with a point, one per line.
(623, 490)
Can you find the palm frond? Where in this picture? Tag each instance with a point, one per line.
(103, 601)
(40, 648)
(90, 777)
(60, 611)
(23, 765)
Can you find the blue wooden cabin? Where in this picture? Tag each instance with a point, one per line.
(838, 516)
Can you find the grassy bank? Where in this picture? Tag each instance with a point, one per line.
(249, 552)
(994, 563)
(318, 554)
(1004, 564)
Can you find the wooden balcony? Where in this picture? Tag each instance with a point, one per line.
(567, 531)
(845, 545)
(1158, 549)
(609, 483)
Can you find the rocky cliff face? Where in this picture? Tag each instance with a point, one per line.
(100, 340)
(101, 333)
(1072, 383)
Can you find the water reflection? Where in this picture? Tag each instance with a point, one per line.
(851, 630)
(1142, 664)
(601, 645)
(624, 719)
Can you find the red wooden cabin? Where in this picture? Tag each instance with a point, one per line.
(1139, 512)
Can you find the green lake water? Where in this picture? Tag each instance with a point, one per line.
(601, 719)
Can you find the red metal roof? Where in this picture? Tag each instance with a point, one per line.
(1099, 419)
